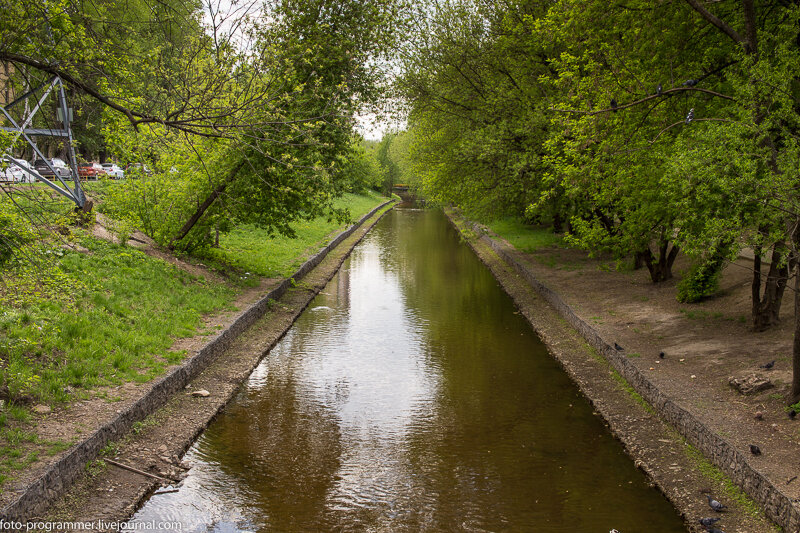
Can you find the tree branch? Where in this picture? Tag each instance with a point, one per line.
(645, 99)
(719, 23)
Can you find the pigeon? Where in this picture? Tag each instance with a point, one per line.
(792, 414)
(617, 347)
(661, 355)
(690, 83)
(767, 366)
(755, 450)
(715, 505)
(708, 522)
(614, 105)
(659, 90)
(690, 116)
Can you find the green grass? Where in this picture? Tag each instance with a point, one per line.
(705, 467)
(111, 319)
(252, 251)
(523, 236)
(72, 324)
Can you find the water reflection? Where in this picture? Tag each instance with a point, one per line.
(410, 396)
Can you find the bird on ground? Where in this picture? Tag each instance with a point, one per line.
(614, 105)
(715, 505)
(792, 414)
(661, 355)
(690, 116)
(767, 366)
(617, 347)
(714, 530)
(659, 90)
(755, 450)
(708, 522)
(690, 83)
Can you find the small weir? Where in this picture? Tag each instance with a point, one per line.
(411, 396)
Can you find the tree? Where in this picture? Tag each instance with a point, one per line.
(269, 122)
(650, 128)
(476, 108)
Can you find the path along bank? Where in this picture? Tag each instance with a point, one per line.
(660, 423)
(271, 316)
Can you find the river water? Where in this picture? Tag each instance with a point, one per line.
(411, 396)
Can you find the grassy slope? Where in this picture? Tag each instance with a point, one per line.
(250, 249)
(79, 321)
(524, 236)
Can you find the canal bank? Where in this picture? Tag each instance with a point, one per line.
(669, 454)
(83, 461)
(411, 395)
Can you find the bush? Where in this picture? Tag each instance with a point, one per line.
(701, 281)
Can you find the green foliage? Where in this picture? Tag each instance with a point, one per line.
(14, 232)
(477, 120)
(390, 171)
(702, 280)
(362, 172)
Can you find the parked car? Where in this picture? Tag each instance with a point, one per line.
(114, 171)
(137, 169)
(15, 172)
(90, 170)
(58, 164)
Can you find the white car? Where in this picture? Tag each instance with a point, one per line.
(114, 171)
(15, 172)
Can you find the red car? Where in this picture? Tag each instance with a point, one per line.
(90, 171)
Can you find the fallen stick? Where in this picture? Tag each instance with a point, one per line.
(141, 472)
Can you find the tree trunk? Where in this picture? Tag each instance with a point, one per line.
(660, 270)
(639, 260)
(558, 223)
(795, 397)
(767, 306)
(202, 208)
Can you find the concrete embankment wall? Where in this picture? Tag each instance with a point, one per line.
(61, 474)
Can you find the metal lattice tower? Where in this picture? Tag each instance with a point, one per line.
(53, 85)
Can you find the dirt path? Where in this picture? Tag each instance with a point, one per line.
(704, 345)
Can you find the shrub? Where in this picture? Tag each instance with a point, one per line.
(702, 279)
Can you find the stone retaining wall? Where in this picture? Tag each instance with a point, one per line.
(61, 474)
(777, 505)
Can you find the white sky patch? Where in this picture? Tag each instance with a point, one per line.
(228, 20)
(373, 129)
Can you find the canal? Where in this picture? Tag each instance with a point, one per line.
(411, 396)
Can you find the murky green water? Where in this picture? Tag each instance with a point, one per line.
(410, 396)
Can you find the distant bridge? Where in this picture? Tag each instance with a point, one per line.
(403, 191)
